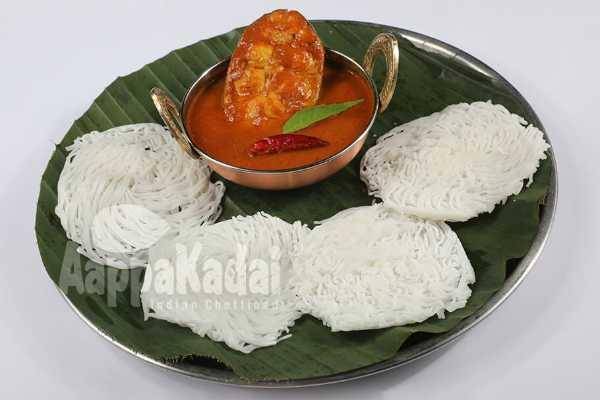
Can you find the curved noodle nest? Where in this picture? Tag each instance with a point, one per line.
(370, 267)
(121, 190)
(454, 164)
(427, 83)
(245, 313)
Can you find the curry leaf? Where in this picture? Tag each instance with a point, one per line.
(310, 115)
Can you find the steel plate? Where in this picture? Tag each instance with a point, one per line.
(420, 349)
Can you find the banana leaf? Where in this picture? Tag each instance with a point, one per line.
(427, 82)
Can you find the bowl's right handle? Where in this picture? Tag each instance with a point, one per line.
(169, 112)
(387, 44)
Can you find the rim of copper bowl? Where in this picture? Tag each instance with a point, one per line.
(299, 169)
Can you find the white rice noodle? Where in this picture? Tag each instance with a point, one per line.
(370, 267)
(121, 190)
(240, 295)
(454, 164)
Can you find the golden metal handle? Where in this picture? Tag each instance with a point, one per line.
(387, 44)
(169, 112)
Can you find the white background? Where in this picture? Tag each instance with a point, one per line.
(55, 57)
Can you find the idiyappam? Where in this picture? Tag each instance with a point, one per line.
(123, 189)
(454, 164)
(370, 267)
(230, 281)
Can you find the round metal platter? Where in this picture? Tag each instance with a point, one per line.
(422, 348)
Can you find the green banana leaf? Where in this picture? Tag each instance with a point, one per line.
(426, 83)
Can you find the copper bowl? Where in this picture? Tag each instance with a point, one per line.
(175, 119)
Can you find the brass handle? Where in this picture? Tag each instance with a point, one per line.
(387, 44)
(169, 112)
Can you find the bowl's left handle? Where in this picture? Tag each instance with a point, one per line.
(169, 112)
(387, 45)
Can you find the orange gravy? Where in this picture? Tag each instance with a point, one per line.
(229, 142)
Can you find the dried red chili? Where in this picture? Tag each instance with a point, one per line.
(285, 142)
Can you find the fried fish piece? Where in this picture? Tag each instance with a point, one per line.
(276, 69)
